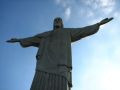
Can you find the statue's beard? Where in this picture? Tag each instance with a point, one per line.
(57, 27)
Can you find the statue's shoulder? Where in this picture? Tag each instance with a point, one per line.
(68, 29)
(44, 34)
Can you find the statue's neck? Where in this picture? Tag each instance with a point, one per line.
(57, 29)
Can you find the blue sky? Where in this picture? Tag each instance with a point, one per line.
(96, 60)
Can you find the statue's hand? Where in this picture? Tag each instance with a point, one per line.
(13, 40)
(106, 20)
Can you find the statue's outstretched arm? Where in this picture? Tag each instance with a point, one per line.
(30, 41)
(26, 42)
(78, 33)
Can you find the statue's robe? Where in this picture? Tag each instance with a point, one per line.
(54, 62)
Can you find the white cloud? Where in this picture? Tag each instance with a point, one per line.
(116, 15)
(107, 3)
(106, 6)
(90, 14)
(65, 4)
(86, 13)
(67, 12)
(88, 7)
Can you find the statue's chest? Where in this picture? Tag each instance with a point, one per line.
(59, 35)
(58, 38)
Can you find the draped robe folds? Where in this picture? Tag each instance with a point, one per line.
(54, 49)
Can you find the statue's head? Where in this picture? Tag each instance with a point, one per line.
(58, 24)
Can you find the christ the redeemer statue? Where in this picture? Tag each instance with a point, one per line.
(54, 64)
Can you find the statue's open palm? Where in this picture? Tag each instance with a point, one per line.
(106, 20)
(13, 40)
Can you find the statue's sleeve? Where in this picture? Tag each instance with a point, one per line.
(35, 40)
(78, 33)
(30, 41)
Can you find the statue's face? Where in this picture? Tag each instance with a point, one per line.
(58, 23)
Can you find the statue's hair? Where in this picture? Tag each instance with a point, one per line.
(60, 20)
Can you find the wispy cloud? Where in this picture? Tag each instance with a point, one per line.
(107, 3)
(65, 4)
(87, 8)
(98, 7)
(67, 12)
(107, 6)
